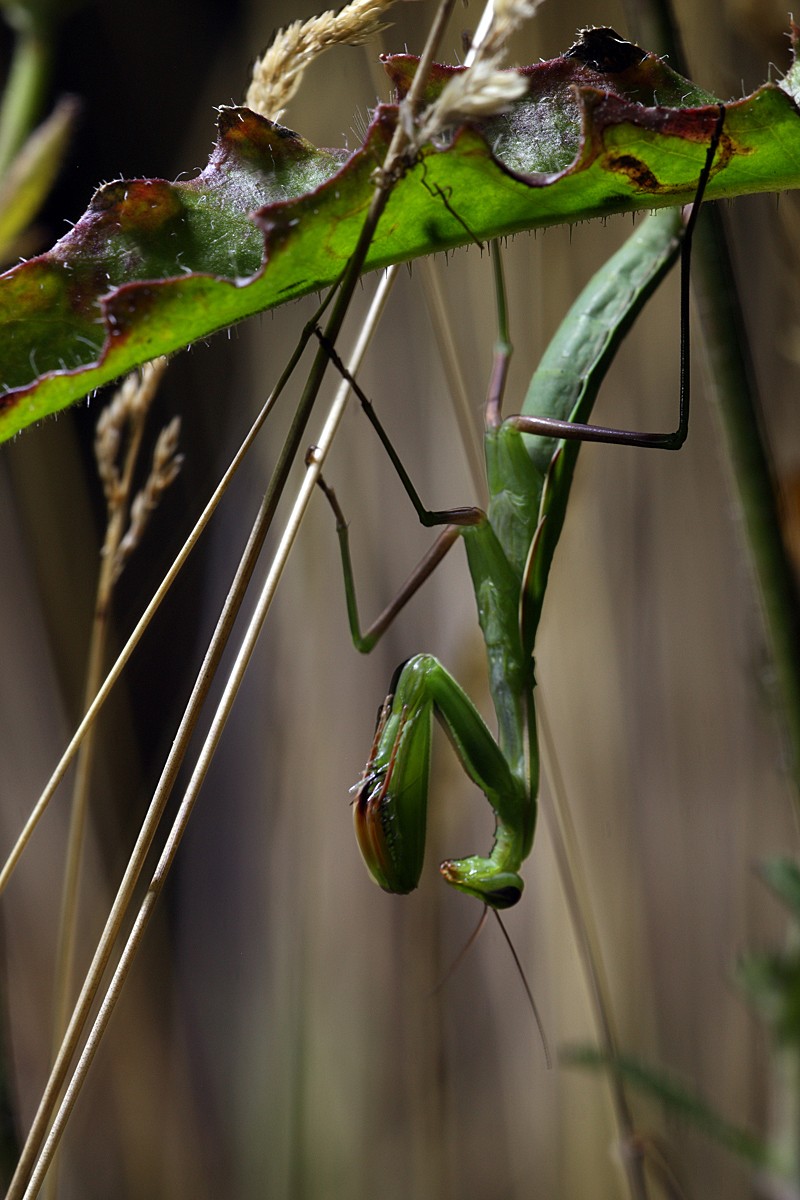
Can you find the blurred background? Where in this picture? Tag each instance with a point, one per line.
(281, 1035)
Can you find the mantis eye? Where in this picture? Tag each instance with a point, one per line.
(505, 897)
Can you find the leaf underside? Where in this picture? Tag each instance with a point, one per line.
(152, 266)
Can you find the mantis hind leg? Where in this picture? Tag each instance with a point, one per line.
(577, 431)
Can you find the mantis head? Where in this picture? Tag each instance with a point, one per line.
(480, 877)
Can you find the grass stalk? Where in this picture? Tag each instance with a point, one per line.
(29, 1171)
(207, 751)
(132, 404)
(103, 692)
(734, 382)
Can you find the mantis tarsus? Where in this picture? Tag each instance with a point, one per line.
(509, 550)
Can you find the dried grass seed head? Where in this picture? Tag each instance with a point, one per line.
(164, 469)
(278, 73)
(483, 90)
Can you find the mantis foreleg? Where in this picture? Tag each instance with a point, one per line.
(390, 810)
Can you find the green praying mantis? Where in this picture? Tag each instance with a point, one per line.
(530, 462)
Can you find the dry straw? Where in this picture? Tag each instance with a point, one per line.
(278, 73)
(484, 89)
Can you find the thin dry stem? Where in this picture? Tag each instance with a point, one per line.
(147, 832)
(278, 73)
(29, 1171)
(103, 692)
(483, 90)
(307, 489)
(564, 839)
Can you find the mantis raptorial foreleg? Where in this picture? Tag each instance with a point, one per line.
(390, 809)
(392, 795)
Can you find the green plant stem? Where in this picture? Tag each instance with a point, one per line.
(24, 92)
(732, 372)
(734, 382)
(731, 368)
(733, 376)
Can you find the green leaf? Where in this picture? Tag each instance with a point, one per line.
(773, 983)
(39, 15)
(773, 979)
(783, 876)
(677, 1099)
(152, 266)
(25, 185)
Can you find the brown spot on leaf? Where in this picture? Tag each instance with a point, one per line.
(140, 204)
(638, 172)
(252, 136)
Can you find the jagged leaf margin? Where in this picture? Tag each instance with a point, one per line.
(152, 266)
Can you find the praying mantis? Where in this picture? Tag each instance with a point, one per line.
(530, 462)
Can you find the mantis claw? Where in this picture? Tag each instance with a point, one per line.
(391, 803)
